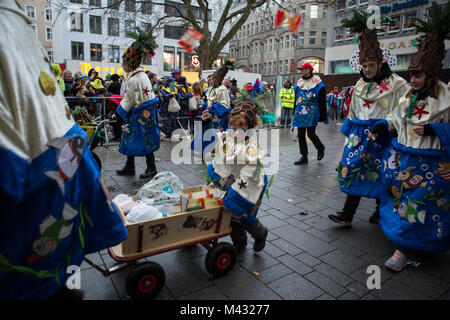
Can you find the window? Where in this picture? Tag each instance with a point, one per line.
(363, 2)
(349, 35)
(95, 24)
(340, 5)
(33, 29)
(324, 13)
(114, 53)
(408, 22)
(301, 39)
(76, 22)
(178, 61)
(317, 63)
(339, 34)
(323, 40)
(96, 52)
(282, 43)
(114, 4)
(270, 45)
(257, 26)
(96, 3)
(253, 28)
(265, 69)
(173, 32)
(280, 68)
(169, 58)
(113, 27)
(77, 50)
(256, 47)
(146, 7)
(294, 39)
(50, 55)
(341, 67)
(48, 15)
(394, 26)
(288, 39)
(130, 6)
(269, 71)
(31, 12)
(48, 33)
(302, 12)
(145, 26)
(351, 4)
(314, 11)
(312, 37)
(76, 1)
(286, 66)
(130, 26)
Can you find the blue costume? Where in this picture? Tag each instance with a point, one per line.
(54, 206)
(307, 113)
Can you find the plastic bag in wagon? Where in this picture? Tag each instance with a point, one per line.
(163, 185)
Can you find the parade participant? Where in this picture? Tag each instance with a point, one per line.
(416, 167)
(287, 96)
(168, 91)
(54, 206)
(215, 110)
(310, 108)
(373, 98)
(138, 108)
(184, 93)
(237, 169)
(334, 102)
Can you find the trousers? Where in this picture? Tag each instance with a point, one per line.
(312, 136)
(351, 204)
(150, 159)
(238, 231)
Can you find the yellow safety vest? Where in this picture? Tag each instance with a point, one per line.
(287, 97)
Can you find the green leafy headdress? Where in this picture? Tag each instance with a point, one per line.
(143, 46)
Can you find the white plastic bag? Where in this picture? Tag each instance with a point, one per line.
(163, 185)
(173, 105)
(193, 103)
(141, 212)
(293, 133)
(124, 202)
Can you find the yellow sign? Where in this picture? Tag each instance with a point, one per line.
(395, 44)
(191, 77)
(86, 66)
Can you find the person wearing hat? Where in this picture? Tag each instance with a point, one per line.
(310, 108)
(216, 109)
(138, 108)
(374, 96)
(237, 169)
(184, 93)
(168, 91)
(415, 203)
(54, 206)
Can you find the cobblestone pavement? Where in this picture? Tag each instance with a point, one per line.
(306, 256)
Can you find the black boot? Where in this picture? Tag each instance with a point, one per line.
(148, 174)
(341, 218)
(128, 170)
(320, 153)
(303, 160)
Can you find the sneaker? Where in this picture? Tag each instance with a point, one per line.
(260, 243)
(341, 218)
(397, 262)
(320, 153)
(375, 218)
(303, 160)
(148, 174)
(126, 171)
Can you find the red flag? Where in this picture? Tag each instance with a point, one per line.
(283, 18)
(189, 39)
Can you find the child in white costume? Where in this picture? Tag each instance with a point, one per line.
(237, 169)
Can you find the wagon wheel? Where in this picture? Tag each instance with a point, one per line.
(146, 281)
(220, 259)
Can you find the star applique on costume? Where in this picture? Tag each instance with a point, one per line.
(145, 91)
(420, 111)
(383, 86)
(242, 184)
(367, 103)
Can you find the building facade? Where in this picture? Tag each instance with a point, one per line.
(41, 15)
(93, 34)
(274, 51)
(398, 36)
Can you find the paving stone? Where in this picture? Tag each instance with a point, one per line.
(286, 247)
(349, 296)
(326, 296)
(288, 288)
(295, 264)
(394, 290)
(272, 222)
(272, 250)
(358, 289)
(445, 295)
(273, 273)
(97, 287)
(325, 236)
(369, 297)
(308, 259)
(298, 224)
(325, 284)
(320, 223)
(420, 281)
(311, 206)
(255, 261)
(334, 274)
(349, 248)
(240, 285)
(342, 261)
(211, 292)
(304, 241)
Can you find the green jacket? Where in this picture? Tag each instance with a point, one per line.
(287, 97)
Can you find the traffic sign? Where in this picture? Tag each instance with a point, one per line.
(195, 61)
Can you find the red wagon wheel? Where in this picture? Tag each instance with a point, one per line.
(146, 281)
(220, 259)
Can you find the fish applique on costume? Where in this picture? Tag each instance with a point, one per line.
(52, 232)
(411, 180)
(68, 159)
(409, 211)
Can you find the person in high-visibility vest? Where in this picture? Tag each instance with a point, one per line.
(287, 96)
